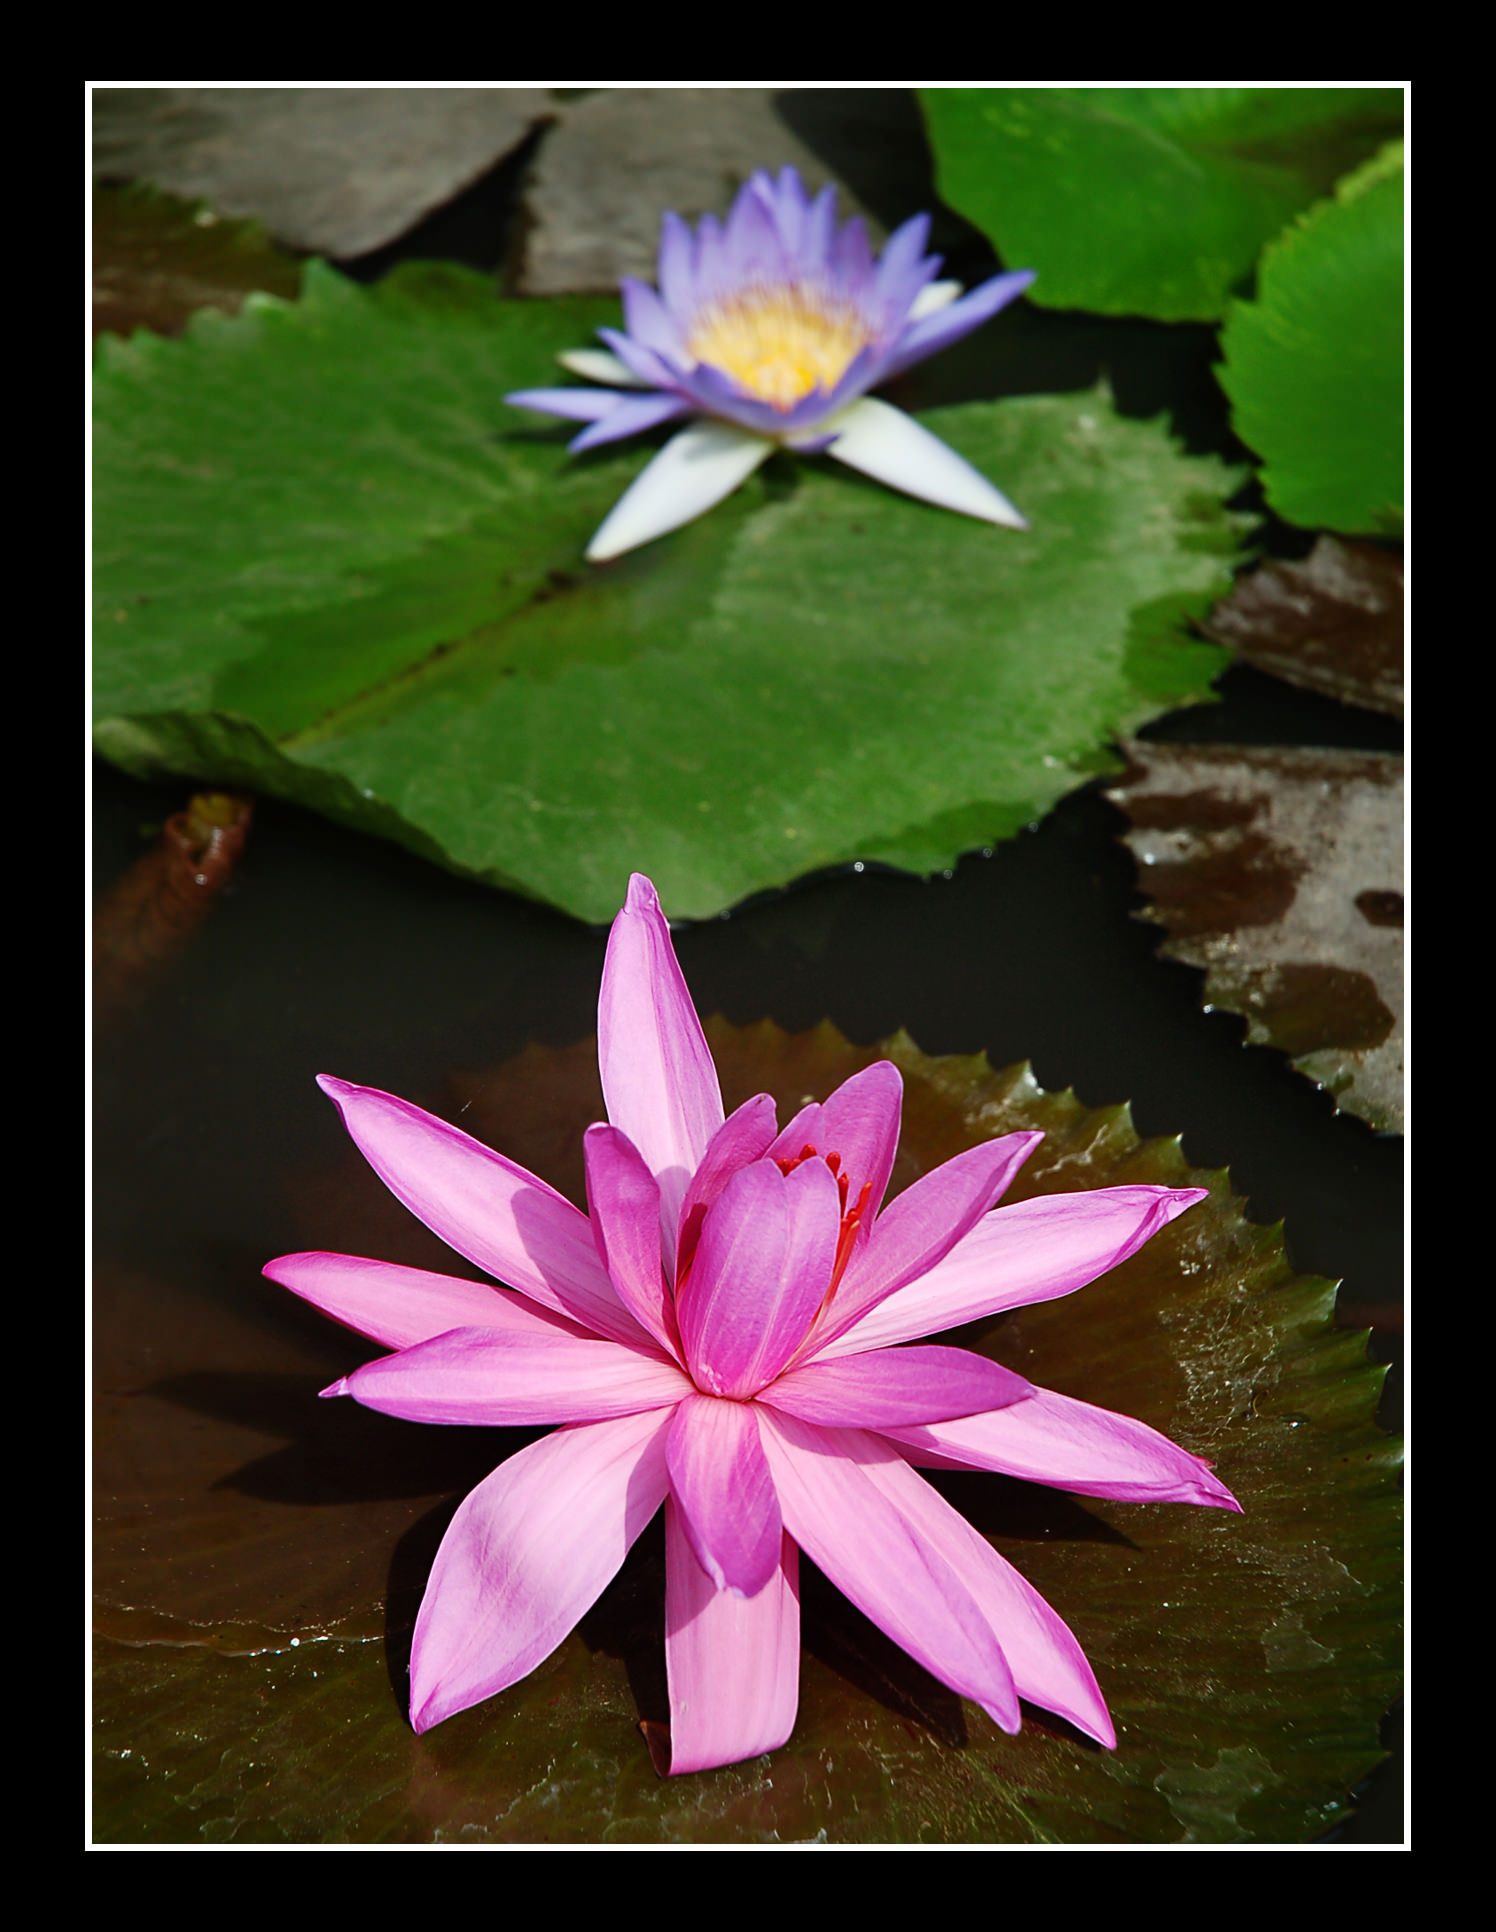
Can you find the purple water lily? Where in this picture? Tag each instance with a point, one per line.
(770, 328)
(722, 1338)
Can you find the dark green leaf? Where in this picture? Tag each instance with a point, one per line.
(1314, 366)
(1145, 200)
(333, 565)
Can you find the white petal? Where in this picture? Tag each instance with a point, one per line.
(883, 442)
(601, 365)
(704, 463)
(932, 298)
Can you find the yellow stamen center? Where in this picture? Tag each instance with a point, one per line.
(779, 343)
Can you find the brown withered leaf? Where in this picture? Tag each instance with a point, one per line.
(1333, 623)
(334, 170)
(157, 258)
(1280, 871)
(617, 159)
(150, 914)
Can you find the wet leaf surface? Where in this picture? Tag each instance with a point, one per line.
(262, 1553)
(1314, 366)
(1145, 200)
(336, 171)
(332, 564)
(1333, 623)
(1281, 873)
(156, 259)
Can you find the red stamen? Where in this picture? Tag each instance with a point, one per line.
(847, 1239)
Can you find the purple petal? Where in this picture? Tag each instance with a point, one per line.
(650, 368)
(895, 1386)
(677, 266)
(957, 319)
(720, 1480)
(884, 443)
(633, 414)
(873, 1539)
(624, 1200)
(487, 1208)
(903, 269)
(733, 1663)
(658, 1079)
(1054, 1439)
(649, 322)
(582, 405)
(1048, 1665)
(860, 1121)
(489, 1378)
(744, 1136)
(401, 1306)
(1032, 1251)
(528, 1554)
(818, 234)
(761, 1271)
(699, 466)
(852, 260)
(923, 1225)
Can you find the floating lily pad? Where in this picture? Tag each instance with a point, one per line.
(157, 259)
(262, 1553)
(333, 565)
(1333, 623)
(1145, 200)
(335, 170)
(1281, 873)
(1314, 366)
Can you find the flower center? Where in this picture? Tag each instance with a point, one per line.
(778, 343)
(851, 1218)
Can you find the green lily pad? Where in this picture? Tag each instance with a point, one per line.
(1145, 200)
(333, 565)
(1314, 366)
(262, 1554)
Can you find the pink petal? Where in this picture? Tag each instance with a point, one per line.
(923, 1225)
(658, 1078)
(528, 1554)
(762, 1268)
(721, 1482)
(860, 1121)
(484, 1206)
(1050, 1438)
(484, 1378)
(893, 1386)
(733, 1662)
(1032, 1251)
(1049, 1667)
(798, 1133)
(744, 1136)
(624, 1200)
(871, 1538)
(400, 1306)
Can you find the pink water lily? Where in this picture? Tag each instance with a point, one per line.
(724, 1337)
(768, 329)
